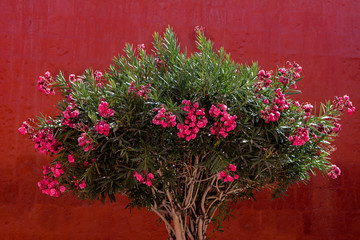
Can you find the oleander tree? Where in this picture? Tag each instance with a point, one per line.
(182, 135)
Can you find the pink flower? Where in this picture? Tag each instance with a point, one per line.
(82, 185)
(279, 104)
(224, 121)
(232, 167)
(141, 178)
(164, 118)
(44, 84)
(351, 110)
(222, 174)
(138, 177)
(52, 192)
(228, 178)
(71, 158)
(300, 137)
(45, 142)
(46, 170)
(307, 107)
(104, 111)
(57, 170)
(264, 81)
(85, 142)
(226, 174)
(98, 75)
(335, 172)
(148, 183)
(102, 128)
(340, 103)
(49, 186)
(47, 74)
(24, 128)
(199, 29)
(62, 189)
(70, 116)
(140, 92)
(282, 70)
(195, 119)
(72, 78)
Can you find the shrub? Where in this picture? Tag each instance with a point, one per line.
(182, 136)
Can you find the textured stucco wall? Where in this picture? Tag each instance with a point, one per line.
(71, 35)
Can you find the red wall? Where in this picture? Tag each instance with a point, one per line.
(71, 35)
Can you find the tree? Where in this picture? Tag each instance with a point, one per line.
(182, 136)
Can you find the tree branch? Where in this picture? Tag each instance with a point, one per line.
(168, 225)
(205, 195)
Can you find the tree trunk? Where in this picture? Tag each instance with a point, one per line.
(179, 229)
(188, 217)
(186, 227)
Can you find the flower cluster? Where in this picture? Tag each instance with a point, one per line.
(224, 121)
(25, 128)
(72, 78)
(104, 110)
(85, 142)
(71, 158)
(307, 108)
(336, 128)
(71, 99)
(195, 119)
(280, 100)
(49, 185)
(97, 76)
(72, 81)
(142, 92)
(290, 74)
(335, 172)
(70, 115)
(78, 184)
(103, 128)
(164, 118)
(44, 84)
(300, 137)
(141, 46)
(225, 174)
(270, 115)
(45, 142)
(340, 103)
(279, 104)
(57, 170)
(199, 29)
(142, 179)
(264, 81)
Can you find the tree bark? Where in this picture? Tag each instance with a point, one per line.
(179, 233)
(184, 227)
(188, 217)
